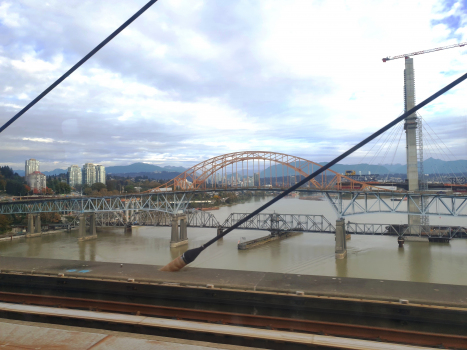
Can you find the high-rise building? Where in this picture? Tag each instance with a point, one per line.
(89, 174)
(74, 176)
(37, 181)
(257, 179)
(31, 166)
(100, 173)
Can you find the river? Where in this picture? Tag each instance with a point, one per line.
(376, 257)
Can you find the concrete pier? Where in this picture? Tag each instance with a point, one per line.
(274, 236)
(179, 238)
(34, 226)
(38, 224)
(183, 229)
(30, 223)
(82, 226)
(410, 127)
(341, 244)
(220, 231)
(92, 225)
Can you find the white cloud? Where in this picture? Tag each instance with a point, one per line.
(191, 79)
(38, 139)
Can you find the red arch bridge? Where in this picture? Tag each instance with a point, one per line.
(249, 171)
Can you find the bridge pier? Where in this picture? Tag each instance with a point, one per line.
(220, 231)
(38, 224)
(82, 226)
(183, 229)
(30, 223)
(82, 236)
(341, 244)
(92, 224)
(179, 238)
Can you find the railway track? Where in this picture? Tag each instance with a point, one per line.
(351, 332)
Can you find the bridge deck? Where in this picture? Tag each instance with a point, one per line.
(320, 286)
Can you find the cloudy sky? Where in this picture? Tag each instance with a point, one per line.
(192, 79)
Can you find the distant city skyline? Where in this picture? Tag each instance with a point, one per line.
(191, 79)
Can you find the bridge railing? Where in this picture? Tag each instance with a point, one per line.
(428, 231)
(281, 222)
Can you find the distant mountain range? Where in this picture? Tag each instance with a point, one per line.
(48, 173)
(142, 168)
(431, 166)
(123, 169)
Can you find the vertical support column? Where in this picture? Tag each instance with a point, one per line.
(178, 239)
(30, 224)
(183, 229)
(220, 230)
(174, 237)
(341, 245)
(410, 127)
(38, 223)
(82, 226)
(92, 225)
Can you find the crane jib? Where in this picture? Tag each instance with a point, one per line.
(389, 58)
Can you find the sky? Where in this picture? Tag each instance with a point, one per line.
(194, 79)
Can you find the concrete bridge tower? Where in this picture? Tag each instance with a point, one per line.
(410, 127)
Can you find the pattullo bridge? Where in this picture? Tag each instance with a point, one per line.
(169, 204)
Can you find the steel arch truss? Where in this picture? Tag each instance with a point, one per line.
(359, 202)
(229, 164)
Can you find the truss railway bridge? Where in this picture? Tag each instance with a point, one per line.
(169, 204)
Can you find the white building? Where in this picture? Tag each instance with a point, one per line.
(89, 174)
(31, 166)
(37, 181)
(74, 176)
(100, 173)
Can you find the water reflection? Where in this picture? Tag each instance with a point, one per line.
(90, 247)
(341, 267)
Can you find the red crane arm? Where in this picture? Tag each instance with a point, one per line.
(424, 51)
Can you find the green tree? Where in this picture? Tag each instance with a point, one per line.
(50, 218)
(58, 186)
(15, 188)
(129, 188)
(112, 185)
(98, 186)
(5, 224)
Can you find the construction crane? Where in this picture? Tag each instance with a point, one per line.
(424, 51)
(414, 138)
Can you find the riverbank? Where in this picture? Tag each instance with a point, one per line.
(19, 235)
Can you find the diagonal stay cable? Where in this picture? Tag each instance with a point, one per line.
(77, 65)
(191, 254)
(395, 151)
